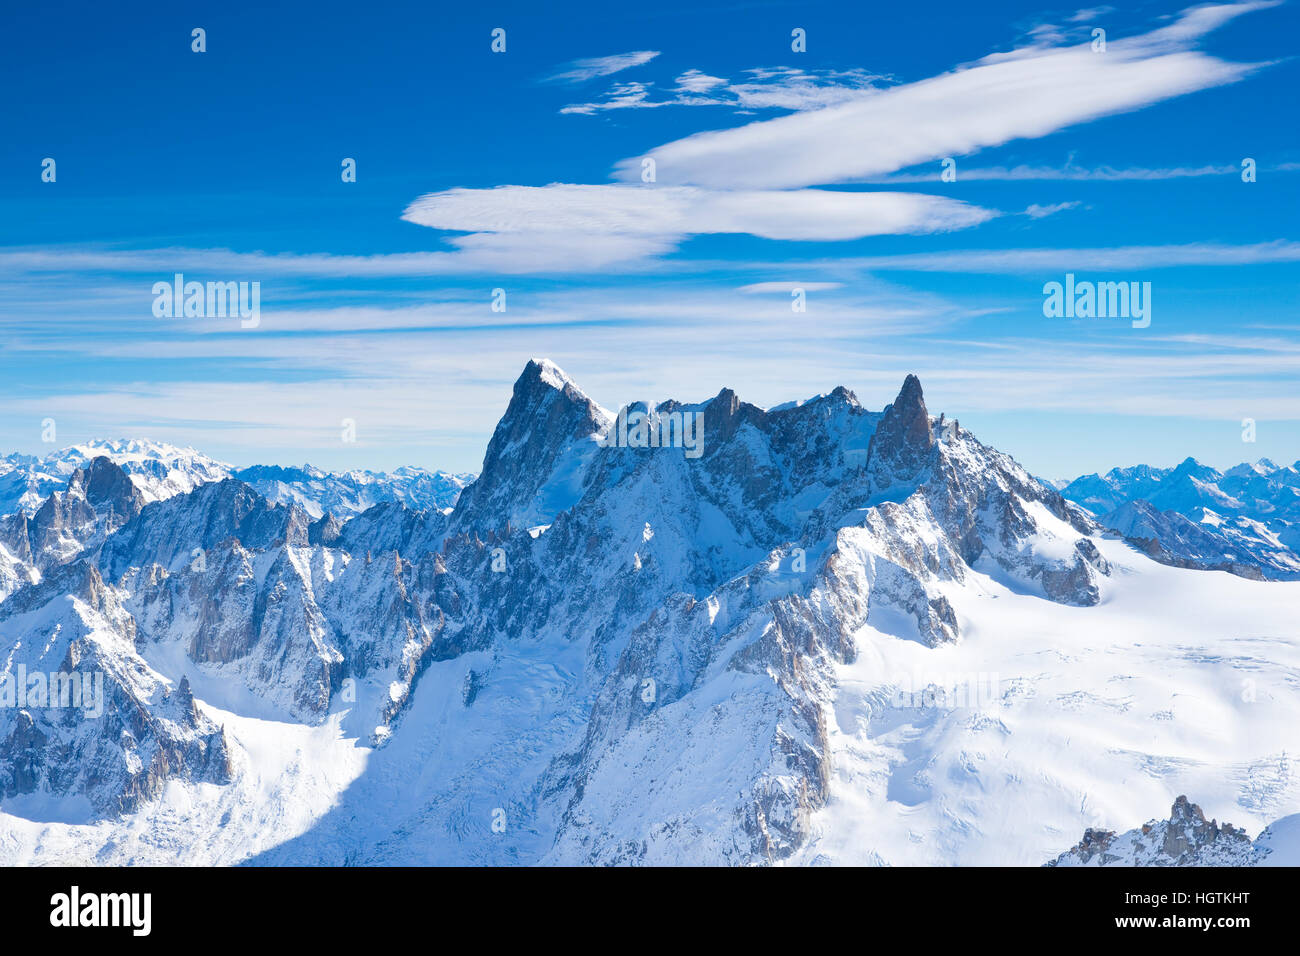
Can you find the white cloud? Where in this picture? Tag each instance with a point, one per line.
(433, 394)
(695, 81)
(1026, 93)
(673, 212)
(785, 88)
(585, 228)
(1035, 211)
(580, 71)
(621, 97)
(511, 253)
(1089, 14)
(761, 288)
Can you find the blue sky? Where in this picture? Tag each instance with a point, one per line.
(774, 169)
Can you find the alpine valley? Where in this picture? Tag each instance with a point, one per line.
(827, 635)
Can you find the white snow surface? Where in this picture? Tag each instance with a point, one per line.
(1179, 682)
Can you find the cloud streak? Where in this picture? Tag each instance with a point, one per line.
(582, 71)
(205, 263)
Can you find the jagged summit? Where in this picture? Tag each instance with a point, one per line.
(539, 376)
(550, 373)
(103, 482)
(903, 440)
(1185, 839)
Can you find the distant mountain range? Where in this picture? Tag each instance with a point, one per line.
(819, 634)
(160, 471)
(1245, 520)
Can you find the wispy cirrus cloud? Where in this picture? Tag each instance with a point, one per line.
(1041, 211)
(1027, 261)
(302, 371)
(510, 253)
(582, 71)
(1071, 172)
(528, 243)
(1068, 173)
(1028, 92)
(763, 288)
(783, 88)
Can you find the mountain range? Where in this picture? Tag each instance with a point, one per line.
(835, 635)
(1245, 520)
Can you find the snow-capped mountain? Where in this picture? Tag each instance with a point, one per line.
(680, 633)
(1245, 520)
(160, 471)
(157, 469)
(348, 493)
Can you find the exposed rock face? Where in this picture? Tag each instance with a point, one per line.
(1169, 538)
(92, 721)
(549, 421)
(108, 490)
(1185, 839)
(903, 440)
(99, 499)
(173, 532)
(324, 531)
(392, 526)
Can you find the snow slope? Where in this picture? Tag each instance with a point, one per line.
(1179, 681)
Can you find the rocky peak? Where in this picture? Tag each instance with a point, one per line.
(325, 530)
(722, 416)
(902, 441)
(1185, 839)
(547, 416)
(107, 487)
